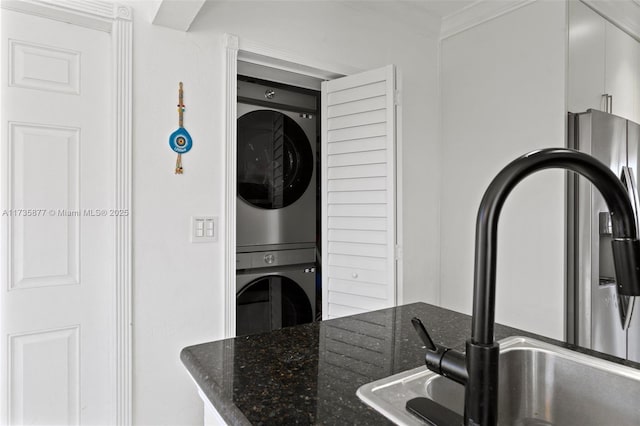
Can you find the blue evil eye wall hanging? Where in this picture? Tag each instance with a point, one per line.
(180, 140)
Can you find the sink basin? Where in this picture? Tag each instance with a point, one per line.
(540, 384)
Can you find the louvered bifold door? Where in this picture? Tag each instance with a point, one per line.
(358, 193)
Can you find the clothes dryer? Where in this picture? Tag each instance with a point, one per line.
(276, 167)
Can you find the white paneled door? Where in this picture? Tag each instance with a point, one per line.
(359, 193)
(57, 164)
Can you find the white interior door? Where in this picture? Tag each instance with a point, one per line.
(359, 193)
(57, 298)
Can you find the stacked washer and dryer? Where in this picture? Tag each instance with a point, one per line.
(276, 206)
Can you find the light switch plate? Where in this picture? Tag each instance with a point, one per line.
(204, 229)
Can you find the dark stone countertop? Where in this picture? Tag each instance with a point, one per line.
(309, 374)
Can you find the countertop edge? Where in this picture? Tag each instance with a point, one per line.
(227, 409)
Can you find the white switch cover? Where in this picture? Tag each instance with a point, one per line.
(204, 229)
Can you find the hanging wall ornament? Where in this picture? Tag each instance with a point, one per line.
(180, 140)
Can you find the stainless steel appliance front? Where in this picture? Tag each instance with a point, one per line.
(276, 173)
(275, 289)
(597, 317)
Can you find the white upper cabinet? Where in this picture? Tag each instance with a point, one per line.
(586, 58)
(358, 197)
(622, 71)
(603, 59)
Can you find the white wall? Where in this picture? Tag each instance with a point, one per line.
(178, 289)
(178, 286)
(503, 94)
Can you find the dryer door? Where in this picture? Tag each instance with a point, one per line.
(275, 160)
(269, 303)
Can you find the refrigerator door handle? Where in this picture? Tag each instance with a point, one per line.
(632, 190)
(627, 303)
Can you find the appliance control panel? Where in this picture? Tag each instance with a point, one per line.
(272, 258)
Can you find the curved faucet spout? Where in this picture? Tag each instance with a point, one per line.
(481, 390)
(611, 188)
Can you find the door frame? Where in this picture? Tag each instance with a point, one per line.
(237, 48)
(116, 20)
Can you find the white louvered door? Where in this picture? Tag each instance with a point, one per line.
(358, 193)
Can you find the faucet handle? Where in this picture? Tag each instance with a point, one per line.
(423, 334)
(443, 361)
(440, 359)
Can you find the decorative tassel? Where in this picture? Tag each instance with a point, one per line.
(179, 165)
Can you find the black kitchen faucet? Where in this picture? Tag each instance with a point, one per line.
(477, 369)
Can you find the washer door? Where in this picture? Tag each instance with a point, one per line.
(275, 160)
(269, 303)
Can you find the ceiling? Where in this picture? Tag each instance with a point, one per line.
(440, 8)
(447, 17)
(180, 14)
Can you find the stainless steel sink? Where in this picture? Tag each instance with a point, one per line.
(540, 384)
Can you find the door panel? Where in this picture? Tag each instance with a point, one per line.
(44, 67)
(52, 357)
(358, 159)
(58, 298)
(606, 331)
(633, 333)
(32, 151)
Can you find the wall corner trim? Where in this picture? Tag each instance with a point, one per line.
(477, 13)
(231, 44)
(122, 42)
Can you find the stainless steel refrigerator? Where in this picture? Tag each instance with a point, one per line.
(597, 317)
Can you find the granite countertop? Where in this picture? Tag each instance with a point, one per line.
(309, 374)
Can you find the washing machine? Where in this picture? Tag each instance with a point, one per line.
(276, 167)
(274, 289)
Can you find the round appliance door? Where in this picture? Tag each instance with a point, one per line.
(275, 160)
(269, 303)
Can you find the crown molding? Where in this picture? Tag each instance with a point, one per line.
(625, 14)
(477, 13)
(95, 14)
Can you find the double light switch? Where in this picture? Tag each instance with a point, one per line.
(204, 229)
